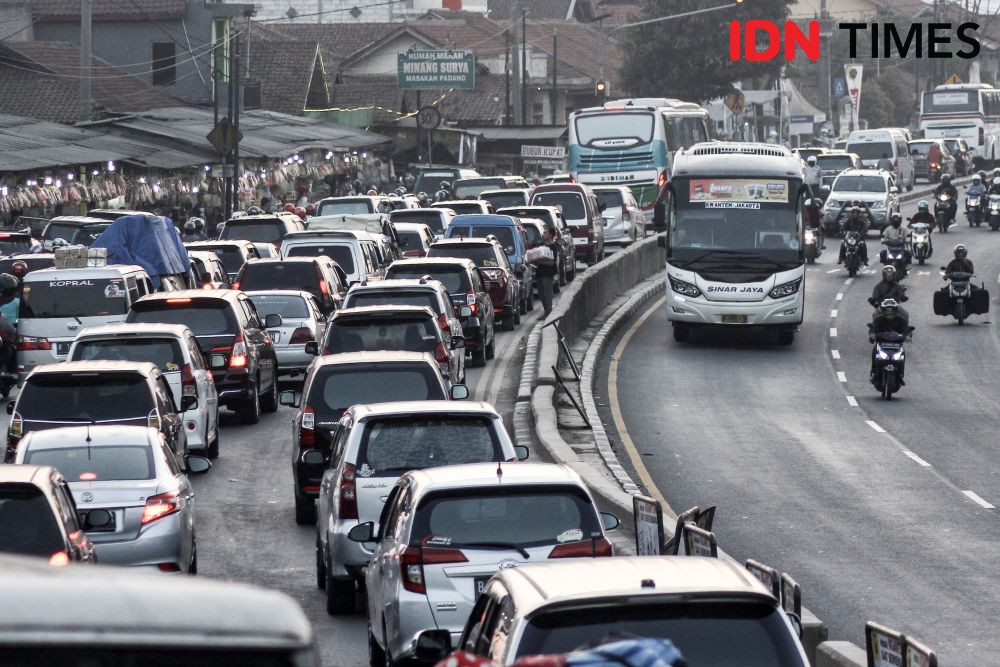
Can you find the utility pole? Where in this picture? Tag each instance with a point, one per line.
(85, 64)
(237, 84)
(524, 65)
(506, 77)
(825, 79)
(554, 97)
(516, 68)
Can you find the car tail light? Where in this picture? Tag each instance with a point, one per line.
(153, 419)
(662, 179)
(624, 212)
(236, 285)
(178, 302)
(324, 288)
(348, 493)
(59, 558)
(160, 506)
(413, 559)
(414, 253)
(168, 567)
(16, 428)
(300, 336)
(441, 356)
(238, 357)
(31, 343)
(307, 432)
(470, 298)
(189, 386)
(597, 547)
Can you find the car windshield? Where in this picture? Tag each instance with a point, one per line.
(12, 245)
(521, 515)
(279, 275)
(503, 234)
(84, 396)
(205, 318)
(405, 334)
(230, 256)
(27, 523)
(570, 203)
(430, 180)
(501, 199)
(255, 232)
(471, 187)
(390, 446)
(56, 230)
(87, 234)
(54, 652)
(717, 633)
(479, 254)
(871, 150)
(838, 162)
(340, 386)
(82, 297)
(96, 464)
(345, 207)
(340, 253)
(455, 279)
(164, 352)
(392, 298)
(290, 307)
(858, 183)
(429, 218)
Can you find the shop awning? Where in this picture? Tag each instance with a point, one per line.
(493, 133)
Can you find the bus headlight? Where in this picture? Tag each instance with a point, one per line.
(787, 289)
(681, 287)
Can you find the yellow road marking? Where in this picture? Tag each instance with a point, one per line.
(616, 412)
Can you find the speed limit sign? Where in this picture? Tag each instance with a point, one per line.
(428, 118)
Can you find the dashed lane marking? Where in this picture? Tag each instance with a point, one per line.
(923, 273)
(851, 401)
(875, 427)
(833, 332)
(976, 498)
(833, 270)
(835, 354)
(841, 376)
(916, 458)
(848, 281)
(833, 313)
(840, 296)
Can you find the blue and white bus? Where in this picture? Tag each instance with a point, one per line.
(631, 141)
(734, 239)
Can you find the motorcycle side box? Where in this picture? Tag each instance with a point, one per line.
(942, 303)
(979, 302)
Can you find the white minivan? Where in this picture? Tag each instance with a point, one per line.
(889, 142)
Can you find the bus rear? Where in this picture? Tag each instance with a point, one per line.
(969, 111)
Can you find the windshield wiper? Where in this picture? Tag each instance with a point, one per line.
(497, 545)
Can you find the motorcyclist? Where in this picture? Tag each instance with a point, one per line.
(199, 228)
(924, 215)
(19, 270)
(441, 195)
(895, 232)
(446, 186)
(813, 209)
(945, 187)
(977, 188)
(888, 288)
(423, 199)
(889, 318)
(812, 173)
(994, 186)
(855, 222)
(961, 263)
(191, 233)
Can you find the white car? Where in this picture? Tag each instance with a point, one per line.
(874, 189)
(301, 323)
(444, 532)
(624, 221)
(174, 350)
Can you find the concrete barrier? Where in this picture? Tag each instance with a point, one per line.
(840, 654)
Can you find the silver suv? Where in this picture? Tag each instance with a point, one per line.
(874, 189)
(372, 446)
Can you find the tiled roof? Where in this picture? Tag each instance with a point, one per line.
(336, 40)
(537, 9)
(286, 76)
(51, 90)
(123, 10)
(482, 106)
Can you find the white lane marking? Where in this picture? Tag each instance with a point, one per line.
(840, 295)
(833, 313)
(851, 401)
(849, 281)
(923, 273)
(833, 271)
(917, 459)
(835, 354)
(875, 427)
(841, 376)
(833, 332)
(976, 498)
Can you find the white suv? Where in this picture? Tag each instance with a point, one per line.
(874, 189)
(372, 446)
(445, 532)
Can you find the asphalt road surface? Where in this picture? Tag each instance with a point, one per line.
(881, 510)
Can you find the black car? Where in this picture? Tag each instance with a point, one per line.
(501, 282)
(317, 275)
(466, 288)
(234, 254)
(13, 243)
(97, 392)
(232, 338)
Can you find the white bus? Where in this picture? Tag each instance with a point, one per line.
(630, 142)
(967, 110)
(734, 239)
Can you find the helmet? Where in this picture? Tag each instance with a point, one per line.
(896, 220)
(445, 185)
(889, 307)
(19, 268)
(288, 208)
(961, 252)
(372, 192)
(299, 211)
(311, 209)
(811, 160)
(8, 284)
(855, 209)
(922, 205)
(199, 224)
(442, 195)
(996, 171)
(982, 174)
(256, 210)
(423, 198)
(996, 181)
(189, 227)
(889, 273)
(59, 243)
(976, 180)
(946, 178)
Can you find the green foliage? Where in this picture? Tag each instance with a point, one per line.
(876, 106)
(688, 58)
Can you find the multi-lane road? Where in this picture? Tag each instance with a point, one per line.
(881, 510)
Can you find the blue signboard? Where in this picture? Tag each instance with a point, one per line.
(840, 87)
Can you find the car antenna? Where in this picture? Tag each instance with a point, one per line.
(88, 442)
(499, 472)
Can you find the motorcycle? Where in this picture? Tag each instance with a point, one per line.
(920, 242)
(942, 211)
(993, 212)
(811, 249)
(895, 255)
(889, 360)
(974, 210)
(852, 252)
(960, 299)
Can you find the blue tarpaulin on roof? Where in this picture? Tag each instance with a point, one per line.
(150, 241)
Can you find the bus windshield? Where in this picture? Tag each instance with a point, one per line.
(627, 125)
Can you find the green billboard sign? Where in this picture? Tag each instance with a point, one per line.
(423, 70)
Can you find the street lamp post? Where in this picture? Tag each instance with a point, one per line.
(604, 41)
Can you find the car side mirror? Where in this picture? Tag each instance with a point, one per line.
(457, 342)
(893, 190)
(464, 311)
(431, 646)
(97, 519)
(363, 532)
(313, 457)
(272, 321)
(287, 398)
(10, 407)
(796, 622)
(522, 452)
(217, 361)
(196, 464)
(660, 216)
(188, 403)
(312, 347)
(609, 521)
(459, 392)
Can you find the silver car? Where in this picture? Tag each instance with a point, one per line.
(444, 532)
(131, 474)
(624, 221)
(302, 322)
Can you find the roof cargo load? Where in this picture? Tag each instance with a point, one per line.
(150, 241)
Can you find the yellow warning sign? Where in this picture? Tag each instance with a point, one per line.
(953, 79)
(735, 101)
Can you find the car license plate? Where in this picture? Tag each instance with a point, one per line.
(734, 319)
(62, 349)
(480, 584)
(275, 335)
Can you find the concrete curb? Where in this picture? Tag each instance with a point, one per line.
(840, 654)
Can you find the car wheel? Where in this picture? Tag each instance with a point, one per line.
(305, 511)
(508, 322)
(320, 565)
(250, 410)
(213, 445)
(339, 595)
(376, 656)
(479, 355)
(517, 317)
(270, 402)
(491, 349)
(531, 299)
(193, 565)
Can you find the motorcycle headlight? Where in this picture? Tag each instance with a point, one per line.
(809, 236)
(881, 355)
(681, 287)
(787, 289)
(897, 356)
(944, 197)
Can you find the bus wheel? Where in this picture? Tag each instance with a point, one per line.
(682, 332)
(786, 336)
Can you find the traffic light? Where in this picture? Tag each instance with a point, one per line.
(601, 88)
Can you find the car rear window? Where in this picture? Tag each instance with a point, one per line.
(27, 523)
(480, 255)
(340, 386)
(570, 203)
(164, 352)
(871, 150)
(406, 334)
(465, 208)
(410, 239)
(96, 464)
(347, 207)
(231, 257)
(920, 148)
(454, 279)
(610, 198)
(505, 235)
(255, 232)
(87, 234)
(279, 275)
(393, 298)
(392, 446)
(432, 220)
(510, 514)
(80, 397)
(342, 254)
(289, 307)
(205, 317)
(499, 200)
(34, 263)
(533, 233)
(833, 162)
(470, 188)
(81, 297)
(12, 245)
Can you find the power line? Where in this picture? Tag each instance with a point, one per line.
(329, 11)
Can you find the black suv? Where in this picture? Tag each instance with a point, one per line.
(97, 392)
(501, 282)
(317, 275)
(232, 338)
(466, 288)
(424, 292)
(234, 254)
(267, 228)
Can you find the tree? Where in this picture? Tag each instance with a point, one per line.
(688, 58)
(876, 107)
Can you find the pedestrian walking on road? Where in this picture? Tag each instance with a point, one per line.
(546, 270)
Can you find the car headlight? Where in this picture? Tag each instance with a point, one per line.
(681, 287)
(787, 289)
(878, 205)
